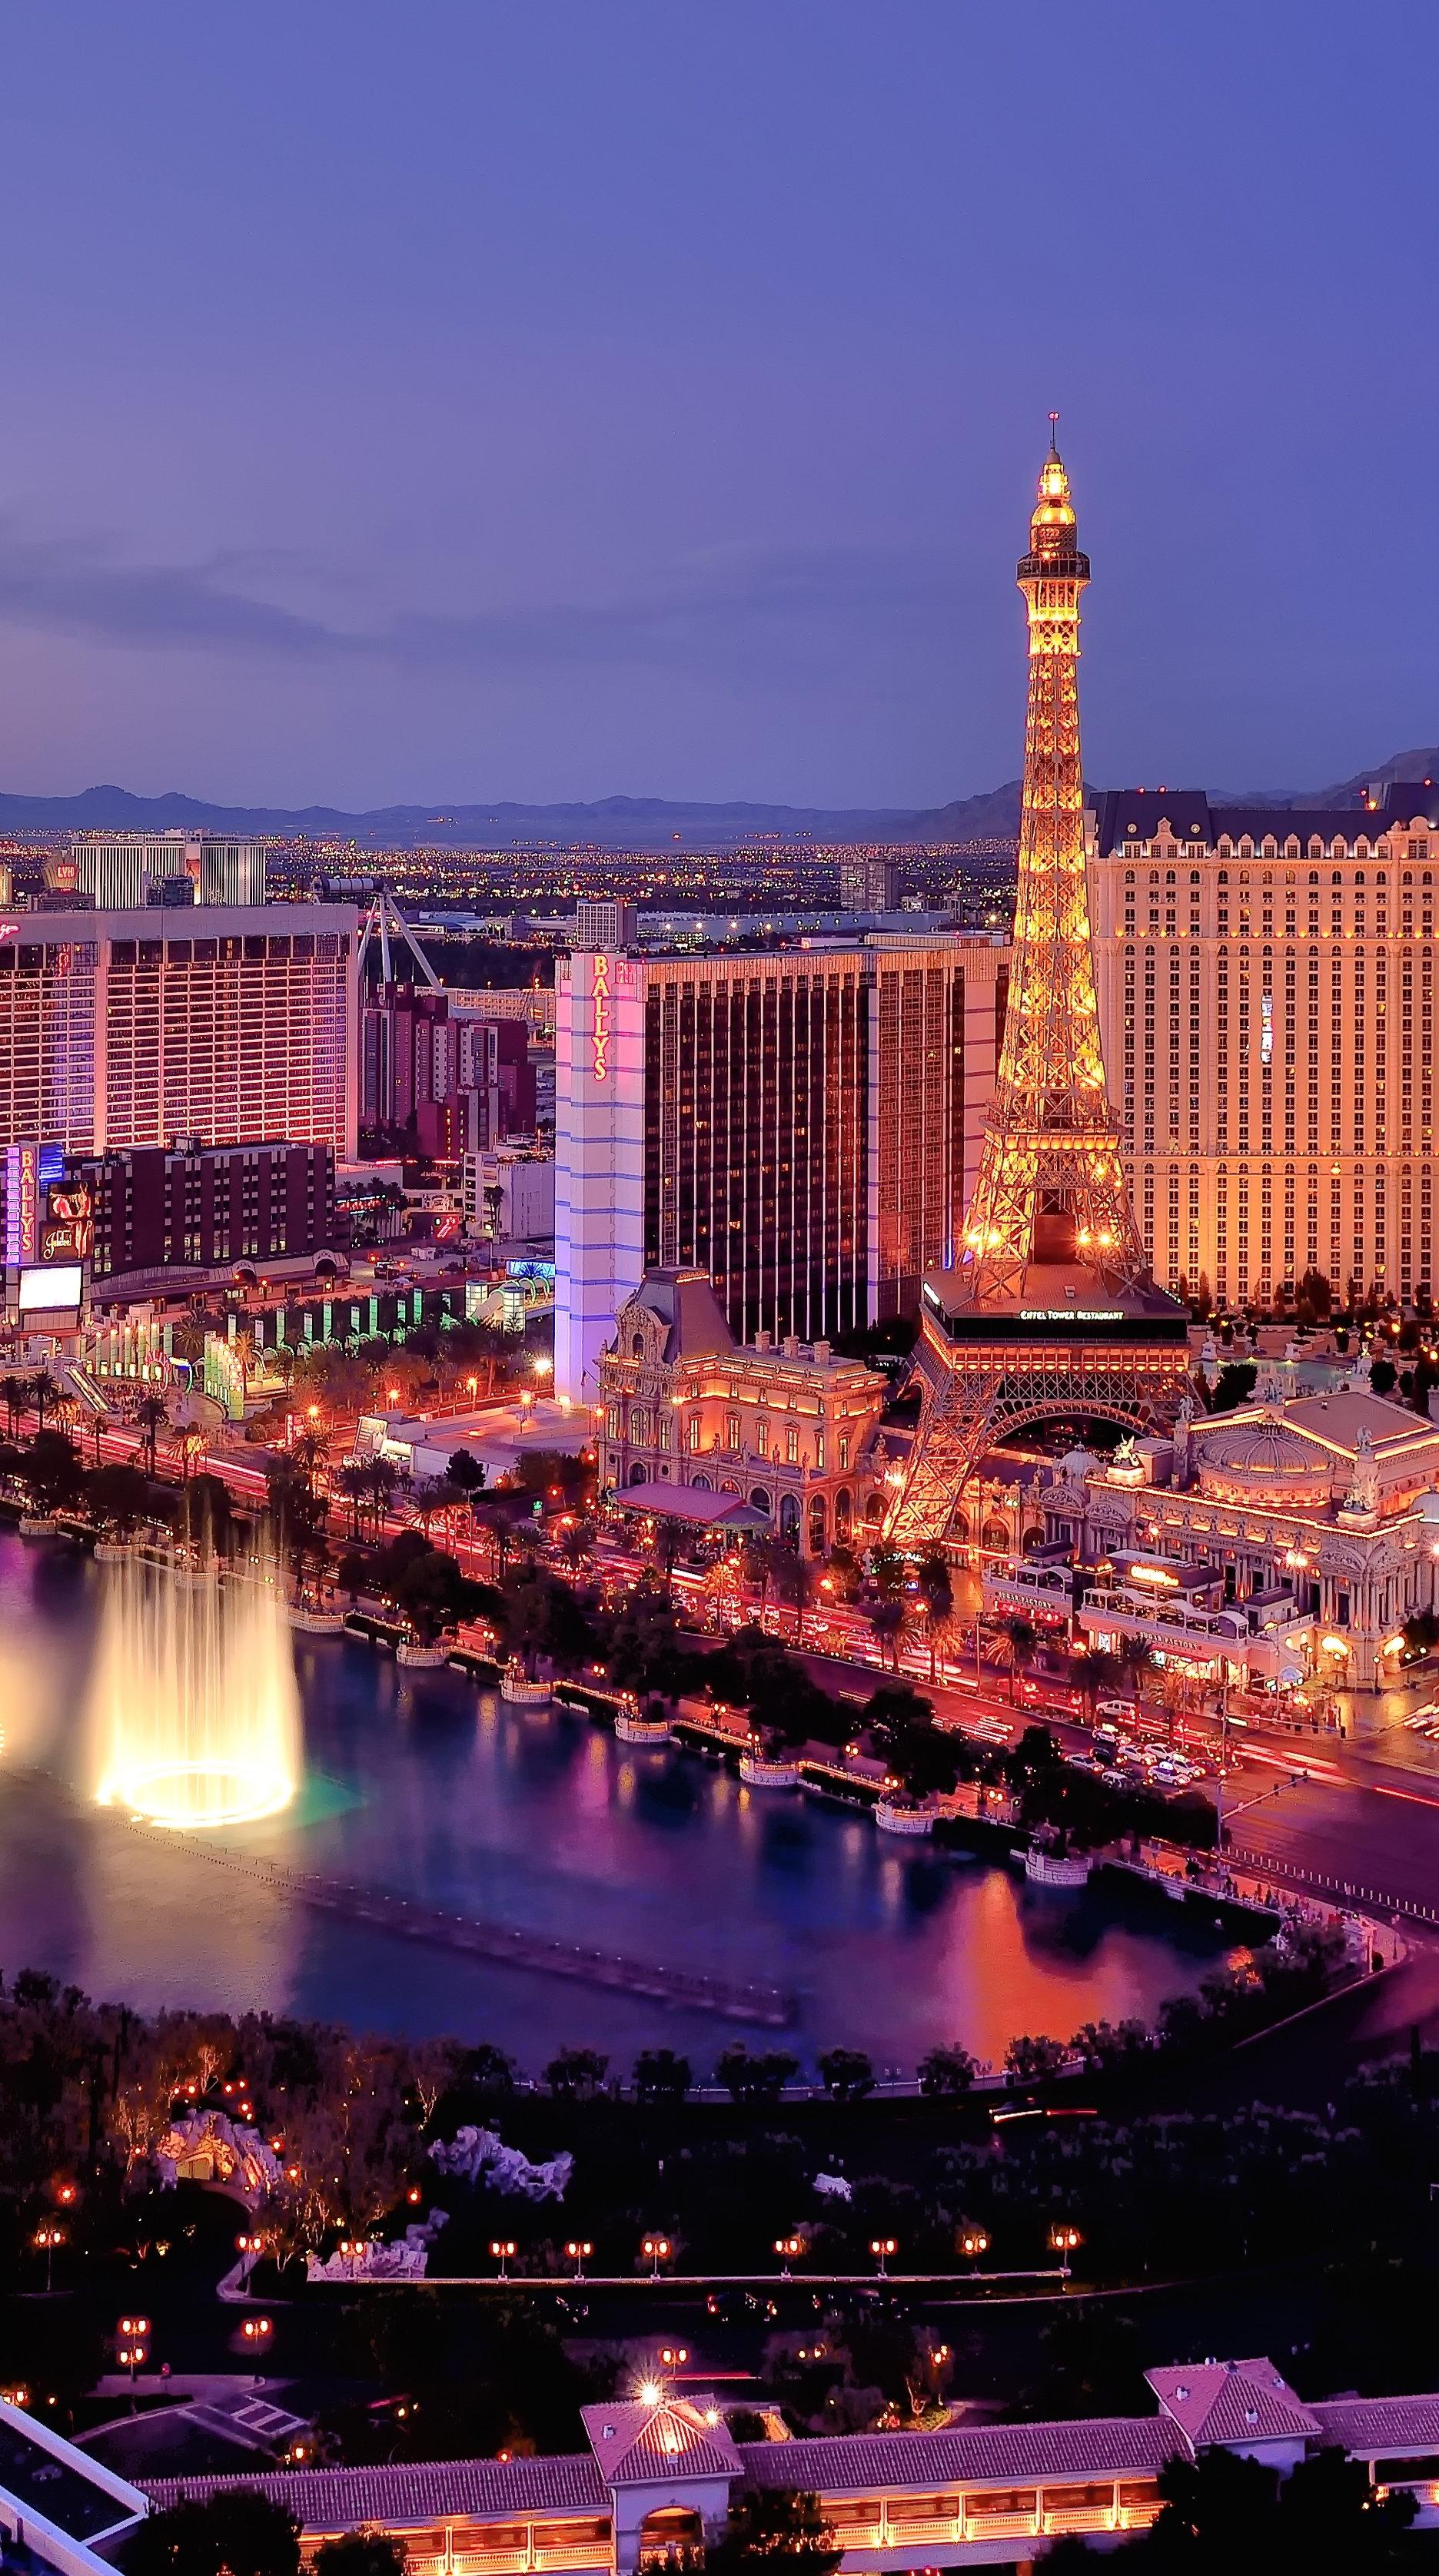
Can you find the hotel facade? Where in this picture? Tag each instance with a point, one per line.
(1266, 999)
(229, 1024)
(802, 1125)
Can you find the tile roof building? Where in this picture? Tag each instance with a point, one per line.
(660, 2473)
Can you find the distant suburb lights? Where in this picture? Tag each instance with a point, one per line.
(602, 1018)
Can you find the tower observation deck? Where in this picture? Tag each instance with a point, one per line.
(1049, 1314)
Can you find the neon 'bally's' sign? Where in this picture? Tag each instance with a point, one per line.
(601, 1030)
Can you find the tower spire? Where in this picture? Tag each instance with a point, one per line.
(1049, 1316)
(1051, 1184)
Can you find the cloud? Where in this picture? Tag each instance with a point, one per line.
(708, 612)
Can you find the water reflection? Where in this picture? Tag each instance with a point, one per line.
(423, 1784)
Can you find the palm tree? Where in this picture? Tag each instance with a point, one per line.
(937, 1593)
(1023, 1645)
(15, 1397)
(150, 1413)
(42, 1392)
(353, 1481)
(381, 1478)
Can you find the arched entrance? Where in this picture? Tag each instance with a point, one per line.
(843, 1517)
(816, 1524)
(789, 1520)
(672, 2527)
(637, 1475)
(761, 1501)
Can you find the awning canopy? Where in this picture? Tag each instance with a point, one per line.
(690, 1503)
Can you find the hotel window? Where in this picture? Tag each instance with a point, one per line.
(612, 1422)
(695, 1434)
(731, 1431)
(844, 1452)
(761, 1438)
(664, 1430)
(637, 1427)
(819, 1451)
(791, 1445)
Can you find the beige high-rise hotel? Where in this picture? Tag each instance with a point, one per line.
(1266, 999)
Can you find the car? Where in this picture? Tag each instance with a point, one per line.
(1117, 1712)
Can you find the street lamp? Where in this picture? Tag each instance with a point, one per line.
(789, 2248)
(674, 2355)
(257, 2330)
(882, 2246)
(46, 2239)
(1064, 2241)
(502, 2247)
(656, 2250)
(973, 2243)
(131, 2347)
(577, 2249)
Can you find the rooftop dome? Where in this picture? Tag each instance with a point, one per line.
(1264, 1450)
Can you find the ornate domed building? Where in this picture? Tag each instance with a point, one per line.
(1289, 1539)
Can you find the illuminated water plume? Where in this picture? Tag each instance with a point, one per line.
(193, 1713)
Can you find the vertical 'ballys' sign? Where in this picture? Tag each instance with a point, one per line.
(600, 1032)
(22, 1177)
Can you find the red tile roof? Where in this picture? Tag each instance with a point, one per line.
(428, 2490)
(878, 2463)
(636, 2441)
(1368, 2426)
(1233, 2401)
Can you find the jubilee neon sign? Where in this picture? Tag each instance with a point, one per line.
(600, 1033)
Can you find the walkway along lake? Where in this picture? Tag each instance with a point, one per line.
(425, 1786)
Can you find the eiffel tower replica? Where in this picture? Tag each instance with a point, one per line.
(1049, 1314)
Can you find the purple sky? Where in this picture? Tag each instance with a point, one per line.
(584, 396)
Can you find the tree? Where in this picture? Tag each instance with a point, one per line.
(661, 2076)
(936, 1591)
(360, 2553)
(41, 1392)
(846, 2074)
(152, 1417)
(465, 1473)
(1382, 1376)
(754, 2079)
(1031, 2060)
(298, 1516)
(381, 1476)
(235, 2533)
(353, 1481)
(888, 1618)
(576, 2072)
(1233, 1386)
(351, 1574)
(15, 1397)
(1022, 1645)
(116, 1497)
(52, 1472)
(769, 2524)
(206, 1516)
(947, 2071)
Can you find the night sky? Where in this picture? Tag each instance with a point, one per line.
(570, 397)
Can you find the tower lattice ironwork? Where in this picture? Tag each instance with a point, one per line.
(1049, 1311)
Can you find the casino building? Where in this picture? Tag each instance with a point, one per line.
(803, 1125)
(1266, 1004)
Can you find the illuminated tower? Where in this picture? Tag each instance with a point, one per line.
(1049, 1315)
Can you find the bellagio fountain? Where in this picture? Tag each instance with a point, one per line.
(193, 1714)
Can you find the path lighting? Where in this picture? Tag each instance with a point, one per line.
(502, 2247)
(674, 2354)
(973, 2243)
(789, 2248)
(656, 2250)
(67, 2195)
(257, 2329)
(578, 2251)
(882, 2247)
(1065, 2240)
(45, 2240)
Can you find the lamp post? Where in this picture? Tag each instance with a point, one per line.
(656, 2250)
(882, 2247)
(502, 2247)
(257, 2330)
(577, 2249)
(973, 2243)
(1064, 2241)
(789, 2249)
(131, 2347)
(46, 2239)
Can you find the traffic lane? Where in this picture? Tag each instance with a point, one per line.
(1364, 1834)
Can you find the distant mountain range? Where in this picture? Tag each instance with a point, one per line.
(648, 823)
